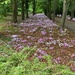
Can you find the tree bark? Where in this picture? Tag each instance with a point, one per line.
(49, 8)
(23, 14)
(54, 9)
(27, 6)
(34, 7)
(64, 14)
(45, 10)
(15, 11)
(72, 9)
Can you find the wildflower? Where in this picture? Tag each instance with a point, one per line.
(39, 57)
(73, 42)
(28, 37)
(19, 48)
(42, 52)
(62, 51)
(54, 42)
(48, 43)
(58, 59)
(24, 41)
(43, 32)
(35, 54)
(14, 36)
(51, 48)
(60, 44)
(66, 44)
(22, 30)
(29, 44)
(50, 38)
(41, 40)
(73, 55)
(18, 45)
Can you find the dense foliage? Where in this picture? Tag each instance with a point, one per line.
(6, 6)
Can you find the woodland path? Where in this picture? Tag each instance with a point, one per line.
(69, 24)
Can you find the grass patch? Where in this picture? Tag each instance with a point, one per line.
(4, 38)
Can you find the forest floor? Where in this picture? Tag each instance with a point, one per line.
(41, 32)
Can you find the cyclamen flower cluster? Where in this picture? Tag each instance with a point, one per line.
(41, 40)
(40, 53)
(57, 60)
(62, 32)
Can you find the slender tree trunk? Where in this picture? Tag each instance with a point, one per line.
(27, 6)
(49, 8)
(72, 9)
(15, 12)
(72, 14)
(23, 15)
(45, 10)
(45, 7)
(64, 14)
(5, 10)
(34, 7)
(54, 9)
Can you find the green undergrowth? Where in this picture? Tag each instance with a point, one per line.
(17, 63)
(5, 38)
(2, 18)
(6, 25)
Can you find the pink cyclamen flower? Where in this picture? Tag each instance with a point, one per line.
(20, 47)
(73, 42)
(50, 38)
(73, 55)
(58, 59)
(29, 44)
(28, 37)
(42, 52)
(43, 32)
(51, 48)
(24, 41)
(66, 44)
(41, 40)
(39, 56)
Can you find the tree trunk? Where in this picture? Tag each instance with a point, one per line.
(23, 15)
(54, 9)
(15, 12)
(45, 7)
(72, 14)
(64, 14)
(72, 9)
(34, 7)
(5, 10)
(49, 8)
(45, 10)
(27, 6)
